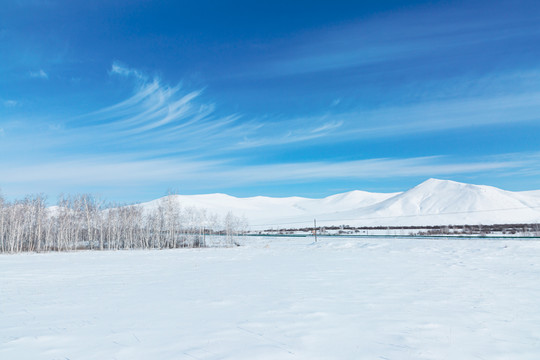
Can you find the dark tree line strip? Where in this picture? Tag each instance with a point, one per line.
(85, 222)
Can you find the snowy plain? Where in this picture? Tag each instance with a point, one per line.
(277, 298)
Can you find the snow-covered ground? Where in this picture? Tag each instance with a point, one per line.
(277, 298)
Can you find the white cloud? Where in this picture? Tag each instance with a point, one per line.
(41, 74)
(118, 171)
(379, 168)
(169, 119)
(105, 171)
(122, 70)
(10, 103)
(328, 126)
(173, 119)
(162, 114)
(155, 111)
(432, 116)
(148, 136)
(336, 102)
(391, 37)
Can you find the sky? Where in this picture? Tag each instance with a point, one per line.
(130, 100)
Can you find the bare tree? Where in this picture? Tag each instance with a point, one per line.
(83, 222)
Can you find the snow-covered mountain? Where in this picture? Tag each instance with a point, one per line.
(433, 202)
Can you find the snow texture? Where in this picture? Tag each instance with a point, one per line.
(277, 298)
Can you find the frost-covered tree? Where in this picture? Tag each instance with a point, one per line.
(85, 222)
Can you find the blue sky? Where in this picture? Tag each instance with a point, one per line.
(129, 99)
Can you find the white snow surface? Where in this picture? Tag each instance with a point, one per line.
(433, 202)
(277, 298)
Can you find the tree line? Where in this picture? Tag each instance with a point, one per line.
(87, 222)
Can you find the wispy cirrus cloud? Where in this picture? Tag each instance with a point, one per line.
(120, 69)
(327, 126)
(375, 92)
(434, 31)
(162, 134)
(375, 168)
(162, 119)
(435, 116)
(116, 172)
(174, 119)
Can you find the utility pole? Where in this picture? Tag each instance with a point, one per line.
(315, 228)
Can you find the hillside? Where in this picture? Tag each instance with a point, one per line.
(433, 202)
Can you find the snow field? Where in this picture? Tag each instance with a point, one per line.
(277, 298)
